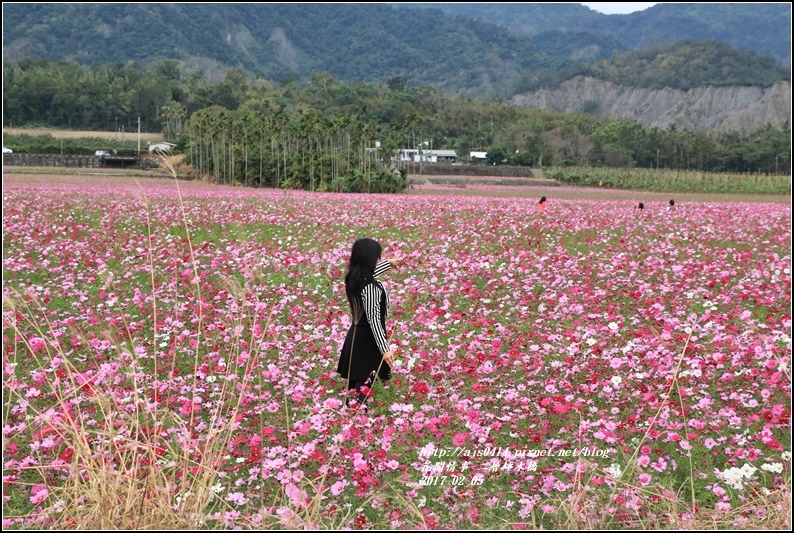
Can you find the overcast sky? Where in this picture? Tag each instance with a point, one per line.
(611, 8)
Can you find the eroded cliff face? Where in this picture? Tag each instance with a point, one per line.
(712, 109)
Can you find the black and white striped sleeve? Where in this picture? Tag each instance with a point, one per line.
(383, 266)
(371, 298)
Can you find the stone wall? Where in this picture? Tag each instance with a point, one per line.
(477, 169)
(78, 161)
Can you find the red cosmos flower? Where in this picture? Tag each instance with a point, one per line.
(772, 443)
(66, 455)
(12, 449)
(255, 456)
(420, 388)
(479, 387)
(317, 455)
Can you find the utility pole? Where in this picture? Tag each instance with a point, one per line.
(139, 136)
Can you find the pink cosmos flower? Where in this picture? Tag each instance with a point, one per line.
(644, 479)
(37, 344)
(38, 493)
(296, 495)
(660, 465)
(338, 487)
(460, 439)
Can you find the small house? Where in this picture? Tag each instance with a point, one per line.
(478, 156)
(441, 156)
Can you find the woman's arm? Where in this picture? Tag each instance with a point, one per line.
(383, 267)
(386, 265)
(371, 298)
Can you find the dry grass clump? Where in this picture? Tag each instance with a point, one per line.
(176, 166)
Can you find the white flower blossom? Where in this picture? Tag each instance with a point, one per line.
(775, 468)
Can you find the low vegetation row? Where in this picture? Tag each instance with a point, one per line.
(674, 181)
(240, 112)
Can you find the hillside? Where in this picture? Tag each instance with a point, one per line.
(683, 65)
(712, 109)
(761, 27)
(449, 46)
(353, 42)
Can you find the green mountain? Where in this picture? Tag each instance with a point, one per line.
(482, 50)
(353, 42)
(683, 65)
(761, 27)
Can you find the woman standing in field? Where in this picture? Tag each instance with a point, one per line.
(366, 348)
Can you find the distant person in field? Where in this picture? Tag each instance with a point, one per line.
(542, 203)
(671, 206)
(641, 206)
(366, 348)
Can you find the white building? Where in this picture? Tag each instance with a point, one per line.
(428, 156)
(160, 147)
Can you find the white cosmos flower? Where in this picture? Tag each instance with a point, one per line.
(775, 468)
(614, 470)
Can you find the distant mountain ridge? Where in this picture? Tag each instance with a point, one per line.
(445, 46)
(353, 42)
(762, 27)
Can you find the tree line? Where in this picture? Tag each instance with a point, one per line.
(314, 134)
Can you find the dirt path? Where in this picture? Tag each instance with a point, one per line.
(69, 134)
(76, 176)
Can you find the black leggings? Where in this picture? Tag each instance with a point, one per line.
(361, 397)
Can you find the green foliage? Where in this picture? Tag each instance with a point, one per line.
(686, 65)
(298, 148)
(496, 155)
(383, 180)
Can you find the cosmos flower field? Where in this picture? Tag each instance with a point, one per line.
(556, 367)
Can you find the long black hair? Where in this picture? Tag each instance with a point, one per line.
(360, 272)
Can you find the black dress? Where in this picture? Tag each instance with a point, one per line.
(367, 338)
